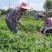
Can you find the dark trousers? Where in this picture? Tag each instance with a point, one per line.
(47, 32)
(11, 26)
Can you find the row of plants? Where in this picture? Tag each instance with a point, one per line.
(27, 39)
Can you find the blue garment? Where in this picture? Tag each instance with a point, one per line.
(11, 26)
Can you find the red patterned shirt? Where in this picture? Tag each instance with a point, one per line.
(14, 15)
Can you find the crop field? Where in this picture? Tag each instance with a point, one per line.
(28, 39)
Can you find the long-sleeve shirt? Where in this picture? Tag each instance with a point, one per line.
(47, 23)
(14, 15)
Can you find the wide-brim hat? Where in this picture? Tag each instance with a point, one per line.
(43, 15)
(24, 5)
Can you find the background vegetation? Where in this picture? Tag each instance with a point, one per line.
(28, 38)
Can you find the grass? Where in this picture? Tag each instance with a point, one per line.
(27, 40)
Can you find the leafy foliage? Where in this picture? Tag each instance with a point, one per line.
(27, 39)
(48, 5)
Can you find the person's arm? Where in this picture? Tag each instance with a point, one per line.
(20, 23)
(42, 27)
(47, 29)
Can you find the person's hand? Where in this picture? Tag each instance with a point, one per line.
(22, 25)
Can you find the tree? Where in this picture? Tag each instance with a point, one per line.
(0, 12)
(4, 12)
(48, 5)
